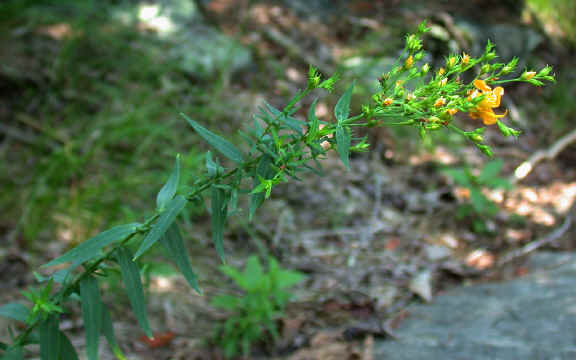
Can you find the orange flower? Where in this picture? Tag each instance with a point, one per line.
(465, 58)
(441, 71)
(408, 63)
(484, 109)
(388, 101)
(452, 111)
(443, 82)
(439, 102)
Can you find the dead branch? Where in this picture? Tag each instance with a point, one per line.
(548, 154)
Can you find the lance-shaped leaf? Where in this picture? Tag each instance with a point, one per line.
(90, 248)
(67, 350)
(219, 143)
(50, 339)
(342, 109)
(174, 244)
(108, 331)
(219, 207)
(15, 353)
(159, 228)
(91, 314)
(287, 120)
(313, 122)
(343, 144)
(169, 189)
(264, 170)
(14, 311)
(134, 289)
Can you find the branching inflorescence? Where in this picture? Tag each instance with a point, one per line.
(278, 147)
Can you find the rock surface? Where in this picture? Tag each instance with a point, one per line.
(531, 317)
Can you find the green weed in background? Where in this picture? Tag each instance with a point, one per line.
(255, 312)
(480, 207)
(561, 13)
(277, 147)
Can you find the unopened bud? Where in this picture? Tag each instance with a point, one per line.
(425, 69)
(528, 75)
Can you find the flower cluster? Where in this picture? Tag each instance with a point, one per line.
(413, 95)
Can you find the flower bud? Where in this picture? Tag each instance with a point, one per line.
(545, 71)
(527, 75)
(465, 59)
(439, 102)
(408, 62)
(485, 68)
(425, 69)
(476, 138)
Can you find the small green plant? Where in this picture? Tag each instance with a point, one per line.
(480, 207)
(278, 147)
(254, 314)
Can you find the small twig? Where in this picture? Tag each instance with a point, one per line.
(548, 154)
(547, 239)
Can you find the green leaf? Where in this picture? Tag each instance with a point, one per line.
(50, 339)
(212, 165)
(169, 189)
(16, 353)
(343, 144)
(264, 170)
(173, 243)
(91, 314)
(288, 121)
(342, 109)
(15, 311)
(224, 146)
(134, 289)
(90, 248)
(67, 350)
(108, 331)
(219, 206)
(226, 302)
(313, 122)
(490, 170)
(159, 228)
(253, 274)
(459, 176)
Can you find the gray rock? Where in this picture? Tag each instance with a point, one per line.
(532, 317)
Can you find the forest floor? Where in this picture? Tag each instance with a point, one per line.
(80, 121)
